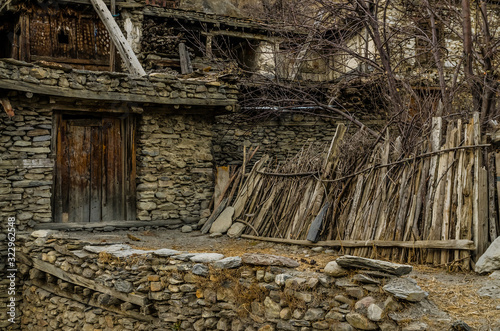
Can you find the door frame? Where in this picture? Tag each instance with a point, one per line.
(127, 130)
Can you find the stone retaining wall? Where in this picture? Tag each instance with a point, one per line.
(73, 286)
(280, 136)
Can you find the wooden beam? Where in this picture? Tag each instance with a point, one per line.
(116, 224)
(87, 301)
(79, 280)
(419, 244)
(186, 67)
(9, 84)
(116, 35)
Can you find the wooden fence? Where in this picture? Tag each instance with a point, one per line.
(438, 207)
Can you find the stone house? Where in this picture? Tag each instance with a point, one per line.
(83, 140)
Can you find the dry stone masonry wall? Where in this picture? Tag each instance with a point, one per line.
(71, 285)
(69, 81)
(174, 167)
(279, 137)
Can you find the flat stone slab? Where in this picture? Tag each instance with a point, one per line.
(117, 250)
(42, 233)
(223, 222)
(406, 289)
(207, 257)
(166, 252)
(268, 259)
(108, 249)
(184, 256)
(228, 263)
(355, 262)
(491, 290)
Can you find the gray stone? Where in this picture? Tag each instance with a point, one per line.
(184, 256)
(341, 327)
(360, 322)
(363, 304)
(269, 260)
(416, 326)
(236, 230)
(223, 222)
(165, 252)
(495, 275)
(207, 257)
(355, 262)
(200, 270)
(334, 270)
(388, 326)
(215, 235)
(108, 249)
(490, 260)
(272, 309)
(186, 229)
(228, 263)
(406, 289)
(281, 279)
(355, 292)
(42, 233)
(491, 290)
(374, 313)
(123, 286)
(334, 315)
(314, 314)
(360, 278)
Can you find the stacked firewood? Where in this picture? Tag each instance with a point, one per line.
(160, 38)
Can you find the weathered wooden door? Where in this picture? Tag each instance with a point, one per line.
(95, 169)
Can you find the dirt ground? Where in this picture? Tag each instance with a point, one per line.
(455, 293)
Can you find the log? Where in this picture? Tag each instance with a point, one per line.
(467, 245)
(116, 35)
(79, 280)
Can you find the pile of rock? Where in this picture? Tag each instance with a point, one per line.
(117, 286)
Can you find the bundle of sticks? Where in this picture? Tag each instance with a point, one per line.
(435, 206)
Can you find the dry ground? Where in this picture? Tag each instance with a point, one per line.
(454, 293)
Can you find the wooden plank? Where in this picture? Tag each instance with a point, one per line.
(95, 174)
(79, 280)
(86, 301)
(448, 190)
(27, 163)
(186, 67)
(116, 224)
(424, 244)
(435, 140)
(131, 170)
(116, 35)
(493, 216)
(69, 60)
(79, 173)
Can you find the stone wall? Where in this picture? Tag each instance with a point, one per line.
(174, 167)
(61, 80)
(280, 137)
(26, 165)
(75, 286)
